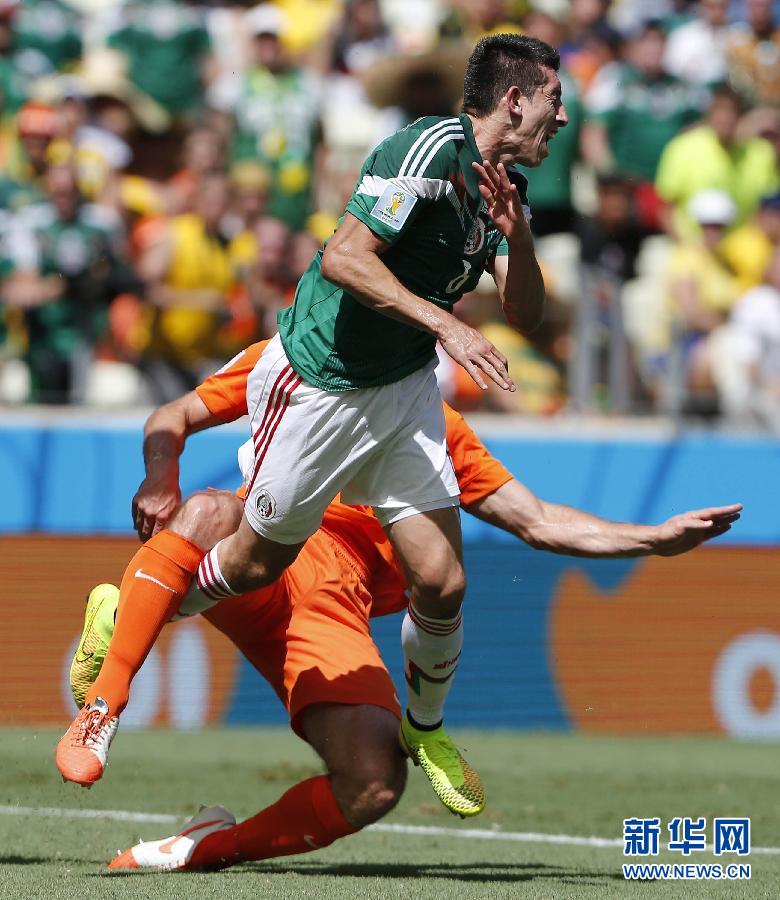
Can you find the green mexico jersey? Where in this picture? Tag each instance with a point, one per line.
(418, 192)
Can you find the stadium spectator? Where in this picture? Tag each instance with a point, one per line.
(603, 373)
(168, 52)
(48, 34)
(713, 156)
(100, 115)
(749, 248)
(362, 37)
(610, 238)
(750, 384)
(470, 20)
(188, 276)
(203, 153)
(591, 42)
(633, 109)
(701, 290)
(37, 125)
(753, 52)
(65, 264)
(537, 361)
(13, 83)
(277, 117)
(269, 280)
(696, 51)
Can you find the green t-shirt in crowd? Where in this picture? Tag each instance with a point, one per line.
(51, 28)
(418, 192)
(641, 115)
(277, 124)
(165, 44)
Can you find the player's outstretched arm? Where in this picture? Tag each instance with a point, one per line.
(352, 261)
(563, 529)
(517, 275)
(165, 432)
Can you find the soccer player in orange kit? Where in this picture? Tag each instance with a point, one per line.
(308, 634)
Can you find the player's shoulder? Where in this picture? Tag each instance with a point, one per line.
(429, 143)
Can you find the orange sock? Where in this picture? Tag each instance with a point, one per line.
(306, 818)
(153, 586)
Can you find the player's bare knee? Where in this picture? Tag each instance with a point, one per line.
(207, 517)
(376, 789)
(439, 593)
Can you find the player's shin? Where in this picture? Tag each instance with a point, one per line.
(431, 652)
(151, 592)
(307, 817)
(304, 818)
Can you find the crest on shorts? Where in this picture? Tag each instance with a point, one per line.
(265, 505)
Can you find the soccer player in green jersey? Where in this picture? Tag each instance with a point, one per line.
(344, 399)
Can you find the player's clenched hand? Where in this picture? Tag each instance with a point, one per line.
(476, 354)
(153, 505)
(504, 205)
(686, 531)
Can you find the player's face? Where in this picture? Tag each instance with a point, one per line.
(542, 116)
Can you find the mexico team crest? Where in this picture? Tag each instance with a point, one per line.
(476, 237)
(265, 505)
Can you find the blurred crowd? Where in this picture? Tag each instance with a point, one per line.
(170, 169)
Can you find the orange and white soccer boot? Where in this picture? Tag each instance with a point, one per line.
(82, 752)
(175, 853)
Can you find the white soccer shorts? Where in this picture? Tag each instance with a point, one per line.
(383, 447)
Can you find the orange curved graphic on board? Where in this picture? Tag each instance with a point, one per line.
(640, 660)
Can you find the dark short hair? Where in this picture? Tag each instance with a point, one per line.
(501, 61)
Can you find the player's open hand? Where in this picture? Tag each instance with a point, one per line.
(504, 205)
(686, 531)
(153, 505)
(476, 354)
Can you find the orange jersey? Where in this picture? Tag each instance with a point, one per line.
(356, 528)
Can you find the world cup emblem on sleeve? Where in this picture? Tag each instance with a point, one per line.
(396, 201)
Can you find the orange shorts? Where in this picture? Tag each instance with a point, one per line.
(308, 634)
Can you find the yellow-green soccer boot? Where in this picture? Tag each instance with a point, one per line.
(455, 783)
(99, 619)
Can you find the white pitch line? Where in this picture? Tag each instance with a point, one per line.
(117, 815)
(518, 837)
(525, 837)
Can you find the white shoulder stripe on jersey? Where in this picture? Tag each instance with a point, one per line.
(423, 137)
(453, 132)
(421, 162)
(430, 188)
(443, 139)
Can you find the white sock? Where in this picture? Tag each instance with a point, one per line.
(431, 653)
(210, 578)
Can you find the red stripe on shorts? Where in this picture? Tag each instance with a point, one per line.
(279, 378)
(279, 399)
(280, 405)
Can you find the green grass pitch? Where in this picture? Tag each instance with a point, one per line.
(554, 784)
